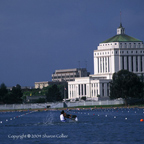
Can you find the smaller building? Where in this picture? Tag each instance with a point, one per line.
(43, 84)
(69, 74)
(33, 99)
(92, 87)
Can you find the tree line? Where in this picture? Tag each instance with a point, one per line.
(18, 95)
(124, 84)
(10, 96)
(127, 85)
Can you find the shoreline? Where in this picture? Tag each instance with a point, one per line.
(72, 108)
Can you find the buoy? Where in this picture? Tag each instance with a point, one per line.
(141, 120)
(125, 118)
(93, 114)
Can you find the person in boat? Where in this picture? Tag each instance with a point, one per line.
(62, 118)
(73, 117)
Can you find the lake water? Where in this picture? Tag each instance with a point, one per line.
(99, 126)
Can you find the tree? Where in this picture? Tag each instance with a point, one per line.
(3, 92)
(124, 85)
(53, 94)
(14, 96)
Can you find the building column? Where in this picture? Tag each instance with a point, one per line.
(69, 94)
(99, 65)
(77, 91)
(134, 63)
(143, 63)
(130, 69)
(83, 90)
(125, 62)
(120, 66)
(96, 66)
(139, 64)
(108, 64)
(102, 64)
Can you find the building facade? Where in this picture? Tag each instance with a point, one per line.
(69, 74)
(116, 53)
(62, 76)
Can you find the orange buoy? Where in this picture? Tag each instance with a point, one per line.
(141, 120)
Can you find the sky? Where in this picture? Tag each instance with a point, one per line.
(38, 37)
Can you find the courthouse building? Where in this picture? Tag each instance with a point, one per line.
(116, 53)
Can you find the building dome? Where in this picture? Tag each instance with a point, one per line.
(121, 36)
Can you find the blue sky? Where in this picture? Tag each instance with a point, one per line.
(38, 37)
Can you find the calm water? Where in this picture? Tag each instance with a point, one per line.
(100, 126)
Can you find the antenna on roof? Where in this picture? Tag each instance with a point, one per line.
(79, 63)
(120, 19)
(86, 64)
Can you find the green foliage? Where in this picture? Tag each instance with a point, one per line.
(125, 84)
(17, 95)
(41, 100)
(53, 93)
(14, 96)
(3, 92)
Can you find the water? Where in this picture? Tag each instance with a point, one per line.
(100, 126)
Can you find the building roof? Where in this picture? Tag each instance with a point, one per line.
(121, 38)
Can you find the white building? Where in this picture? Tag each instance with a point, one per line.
(116, 53)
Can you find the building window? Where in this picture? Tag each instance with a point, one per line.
(108, 89)
(129, 45)
(127, 51)
(116, 52)
(101, 65)
(131, 51)
(138, 45)
(134, 45)
(79, 88)
(85, 89)
(136, 51)
(82, 88)
(106, 64)
(102, 89)
(115, 43)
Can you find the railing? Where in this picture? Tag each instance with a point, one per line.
(59, 104)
